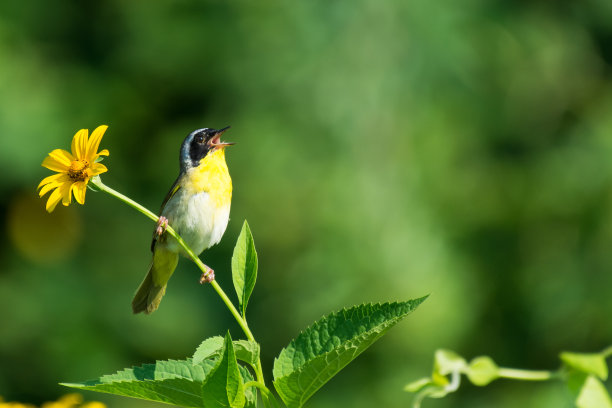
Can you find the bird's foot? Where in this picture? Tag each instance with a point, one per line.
(162, 224)
(207, 276)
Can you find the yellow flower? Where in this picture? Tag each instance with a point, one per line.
(66, 401)
(93, 404)
(74, 170)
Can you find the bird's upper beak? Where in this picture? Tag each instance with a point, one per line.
(216, 139)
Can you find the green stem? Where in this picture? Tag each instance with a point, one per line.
(527, 375)
(266, 394)
(607, 352)
(99, 184)
(241, 322)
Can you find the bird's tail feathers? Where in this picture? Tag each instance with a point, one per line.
(153, 287)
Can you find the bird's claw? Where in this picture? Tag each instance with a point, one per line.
(162, 224)
(207, 276)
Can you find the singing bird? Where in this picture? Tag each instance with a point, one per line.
(197, 207)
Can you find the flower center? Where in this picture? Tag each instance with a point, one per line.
(78, 170)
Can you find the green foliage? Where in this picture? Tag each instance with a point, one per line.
(590, 363)
(224, 386)
(495, 185)
(582, 372)
(247, 351)
(447, 362)
(213, 378)
(208, 348)
(323, 349)
(181, 383)
(244, 266)
(593, 394)
(482, 370)
(418, 385)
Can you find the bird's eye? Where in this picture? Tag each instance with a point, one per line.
(199, 138)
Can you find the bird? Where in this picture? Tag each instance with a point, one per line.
(197, 207)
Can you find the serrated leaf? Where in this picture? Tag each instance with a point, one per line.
(247, 351)
(590, 363)
(251, 392)
(208, 348)
(323, 349)
(171, 382)
(223, 387)
(593, 394)
(482, 370)
(244, 266)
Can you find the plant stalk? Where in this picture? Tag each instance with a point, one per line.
(97, 182)
(265, 392)
(527, 375)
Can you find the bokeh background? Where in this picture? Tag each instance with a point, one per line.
(385, 150)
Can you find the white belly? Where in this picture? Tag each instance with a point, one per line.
(201, 224)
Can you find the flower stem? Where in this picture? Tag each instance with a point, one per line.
(527, 375)
(99, 184)
(241, 322)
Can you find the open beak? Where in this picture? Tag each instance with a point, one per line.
(216, 139)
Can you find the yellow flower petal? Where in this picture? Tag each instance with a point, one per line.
(66, 191)
(94, 141)
(62, 156)
(54, 198)
(56, 181)
(79, 144)
(70, 400)
(79, 188)
(75, 170)
(50, 179)
(54, 165)
(93, 404)
(58, 160)
(98, 168)
(46, 189)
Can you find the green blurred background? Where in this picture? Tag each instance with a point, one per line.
(385, 150)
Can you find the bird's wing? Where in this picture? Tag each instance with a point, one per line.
(175, 187)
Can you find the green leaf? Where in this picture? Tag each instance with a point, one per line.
(482, 370)
(244, 266)
(590, 363)
(247, 351)
(208, 348)
(445, 363)
(224, 387)
(593, 394)
(323, 349)
(251, 392)
(418, 385)
(172, 382)
(574, 380)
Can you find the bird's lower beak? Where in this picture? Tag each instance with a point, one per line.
(216, 140)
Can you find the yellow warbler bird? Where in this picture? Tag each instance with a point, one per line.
(197, 207)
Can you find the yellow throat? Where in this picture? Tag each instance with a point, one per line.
(212, 176)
